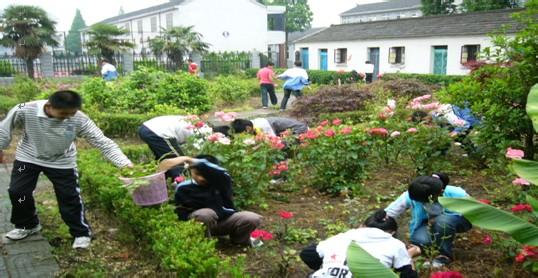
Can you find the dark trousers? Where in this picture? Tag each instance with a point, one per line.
(268, 89)
(311, 258)
(369, 77)
(161, 149)
(287, 93)
(23, 182)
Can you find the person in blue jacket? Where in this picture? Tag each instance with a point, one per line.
(296, 79)
(108, 71)
(431, 224)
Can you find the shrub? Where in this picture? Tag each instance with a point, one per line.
(231, 89)
(331, 100)
(181, 247)
(427, 148)
(119, 125)
(6, 104)
(402, 88)
(434, 79)
(24, 88)
(6, 69)
(331, 158)
(329, 77)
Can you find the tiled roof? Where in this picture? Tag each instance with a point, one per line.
(170, 4)
(383, 6)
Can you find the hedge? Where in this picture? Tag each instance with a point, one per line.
(316, 76)
(7, 103)
(120, 125)
(181, 247)
(435, 79)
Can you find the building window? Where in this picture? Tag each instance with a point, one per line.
(154, 24)
(397, 55)
(140, 26)
(340, 55)
(275, 22)
(127, 27)
(469, 53)
(169, 21)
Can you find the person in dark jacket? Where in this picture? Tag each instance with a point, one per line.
(208, 198)
(272, 126)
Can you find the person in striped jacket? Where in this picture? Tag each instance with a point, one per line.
(47, 146)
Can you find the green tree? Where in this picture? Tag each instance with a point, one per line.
(28, 29)
(157, 46)
(485, 5)
(104, 40)
(73, 42)
(179, 42)
(433, 7)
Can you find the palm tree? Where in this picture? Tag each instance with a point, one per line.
(181, 41)
(104, 40)
(28, 29)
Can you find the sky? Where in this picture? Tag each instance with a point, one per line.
(63, 11)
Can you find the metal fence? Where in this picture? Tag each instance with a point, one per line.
(224, 65)
(11, 65)
(152, 61)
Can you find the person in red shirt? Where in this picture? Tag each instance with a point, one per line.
(193, 67)
(265, 76)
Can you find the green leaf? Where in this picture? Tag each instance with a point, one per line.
(362, 264)
(526, 169)
(491, 218)
(532, 106)
(534, 204)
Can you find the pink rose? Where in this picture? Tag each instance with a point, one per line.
(179, 179)
(285, 214)
(514, 153)
(488, 240)
(263, 234)
(346, 130)
(520, 182)
(412, 130)
(379, 131)
(337, 122)
(324, 123)
(329, 133)
(521, 207)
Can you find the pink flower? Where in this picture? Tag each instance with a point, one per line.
(514, 153)
(285, 133)
(337, 122)
(224, 141)
(190, 126)
(324, 123)
(527, 252)
(521, 207)
(192, 117)
(379, 131)
(380, 75)
(431, 106)
(446, 274)
(421, 98)
(520, 258)
(391, 104)
(226, 117)
(346, 130)
(285, 214)
(395, 134)
(179, 179)
(312, 134)
(488, 240)
(215, 137)
(219, 114)
(412, 130)
(275, 172)
(263, 234)
(329, 133)
(485, 201)
(521, 182)
(383, 116)
(199, 124)
(282, 167)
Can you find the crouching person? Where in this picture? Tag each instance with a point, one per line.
(375, 236)
(207, 198)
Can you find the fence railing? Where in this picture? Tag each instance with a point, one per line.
(152, 61)
(11, 65)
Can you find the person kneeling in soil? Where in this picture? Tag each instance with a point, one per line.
(272, 126)
(375, 236)
(207, 198)
(165, 134)
(432, 225)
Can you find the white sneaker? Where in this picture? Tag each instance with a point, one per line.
(255, 242)
(18, 234)
(82, 242)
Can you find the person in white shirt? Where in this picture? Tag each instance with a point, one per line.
(369, 71)
(296, 79)
(165, 134)
(108, 71)
(375, 236)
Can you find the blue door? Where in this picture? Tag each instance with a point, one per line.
(439, 59)
(323, 59)
(373, 56)
(304, 57)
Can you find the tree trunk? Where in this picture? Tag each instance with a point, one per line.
(30, 67)
(529, 143)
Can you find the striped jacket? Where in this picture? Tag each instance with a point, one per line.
(50, 142)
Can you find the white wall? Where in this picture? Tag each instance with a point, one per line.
(418, 53)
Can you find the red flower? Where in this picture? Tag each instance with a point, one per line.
(337, 122)
(285, 214)
(446, 274)
(330, 133)
(527, 252)
(379, 131)
(488, 240)
(199, 124)
(324, 123)
(485, 201)
(179, 179)
(520, 258)
(312, 134)
(263, 234)
(282, 166)
(521, 207)
(346, 130)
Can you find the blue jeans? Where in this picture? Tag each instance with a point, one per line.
(442, 233)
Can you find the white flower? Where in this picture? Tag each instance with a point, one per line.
(391, 103)
(249, 141)
(224, 141)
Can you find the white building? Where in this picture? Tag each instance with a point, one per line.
(391, 9)
(432, 44)
(231, 25)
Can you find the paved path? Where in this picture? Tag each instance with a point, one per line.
(30, 257)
